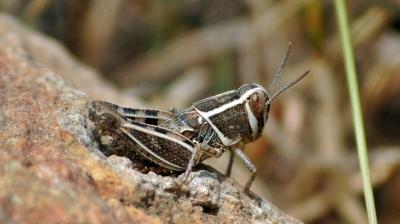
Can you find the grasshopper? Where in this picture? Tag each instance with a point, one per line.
(179, 140)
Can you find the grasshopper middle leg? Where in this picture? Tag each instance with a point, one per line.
(249, 165)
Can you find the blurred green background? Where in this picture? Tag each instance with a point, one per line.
(172, 53)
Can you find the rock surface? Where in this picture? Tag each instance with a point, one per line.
(51, 170)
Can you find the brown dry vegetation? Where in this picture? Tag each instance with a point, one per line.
(171, 53)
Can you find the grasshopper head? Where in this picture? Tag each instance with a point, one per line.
(255, 109)
(259, 100)
(258, 103)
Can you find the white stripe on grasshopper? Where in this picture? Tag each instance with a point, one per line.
(224, 107)
(171, 165)
(155, 133)
(252, 119)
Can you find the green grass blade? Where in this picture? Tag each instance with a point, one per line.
(341, 13)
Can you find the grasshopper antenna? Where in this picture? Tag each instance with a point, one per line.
(286, 87)
(278, 74)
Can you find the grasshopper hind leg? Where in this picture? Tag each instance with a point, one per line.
(196, 155)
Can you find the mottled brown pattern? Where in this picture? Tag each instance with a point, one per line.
(233, 122)
(108, 124)
(168, 150)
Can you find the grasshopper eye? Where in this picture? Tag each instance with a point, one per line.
(257, 104)
(254, 97)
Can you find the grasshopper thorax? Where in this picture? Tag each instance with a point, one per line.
(238, 115)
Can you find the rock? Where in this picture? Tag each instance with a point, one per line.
(51, 169)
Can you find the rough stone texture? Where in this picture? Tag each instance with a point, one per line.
(51, 170)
